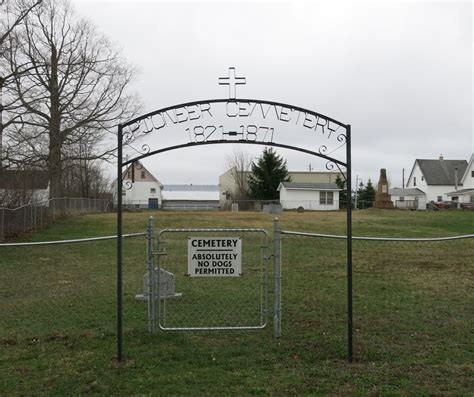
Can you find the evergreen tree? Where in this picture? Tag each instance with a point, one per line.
(266, 175)
(365, 195)
(370, 193)
(360, 195)
(341, 184)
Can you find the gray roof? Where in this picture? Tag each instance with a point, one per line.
(461, 191)
(310, 186)
(398, 191)
(191, 188)
(441, 172)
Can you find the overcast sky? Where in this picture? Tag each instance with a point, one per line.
(400, 72)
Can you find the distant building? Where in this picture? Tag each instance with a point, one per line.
(144, 192)
(228, 187)
(191, 197)
(310, 196)
(437, 177)
(465, 196)
(20, 187)
(408, 198)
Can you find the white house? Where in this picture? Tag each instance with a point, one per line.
(140, 189)
(228, 186)
(465, 195)
(437, 177)
(310, 196)
(20, 187)
(408, 198)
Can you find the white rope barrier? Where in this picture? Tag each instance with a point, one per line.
(377, 238)
(79, 240)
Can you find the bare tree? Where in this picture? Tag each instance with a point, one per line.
(12, 13)
(84, 177)
(71, 86)
(239, 164)
(22, 186)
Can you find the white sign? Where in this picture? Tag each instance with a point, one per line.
(214, 256)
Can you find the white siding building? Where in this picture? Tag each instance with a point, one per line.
(144, 192)
(310, 196)
(465, 195)
(409, 198)
(20, 187)
(228, 186)
(437, 177)
(190, 197)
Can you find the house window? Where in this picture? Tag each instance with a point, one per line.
(422, 178)
(129, 174)
(143, 175)
(124, 192)
(439, 198)
(455, 198)
(326, 198)
(414, 181)
(472, 198)
(402, 198)
(472, 174)
(152, 190)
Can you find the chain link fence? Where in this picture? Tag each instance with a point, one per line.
(227, 288)
(67, 289)
(35, 216)
(402, 289)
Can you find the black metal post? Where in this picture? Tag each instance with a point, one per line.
(349, 244)
(119, 248)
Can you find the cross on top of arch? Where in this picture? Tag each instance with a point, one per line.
(232, 81)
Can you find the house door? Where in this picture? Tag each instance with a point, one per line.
(153, 204)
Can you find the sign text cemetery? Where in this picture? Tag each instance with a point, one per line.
(214, 256)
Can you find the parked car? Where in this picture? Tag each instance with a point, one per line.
(444, 205)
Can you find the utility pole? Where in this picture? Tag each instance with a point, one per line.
(310, 168)
(356, 188)
(403, 178)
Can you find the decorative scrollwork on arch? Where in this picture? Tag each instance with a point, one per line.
(322, 149)
(342, 138)
(144, 149)
(127, 138)
(127, 184)
(330, 165)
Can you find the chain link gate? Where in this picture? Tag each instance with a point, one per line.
(217, 298)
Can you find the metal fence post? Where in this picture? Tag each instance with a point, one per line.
(3, 223)
(151, 276)
(350, 322)
(119, 247)
(276, 279)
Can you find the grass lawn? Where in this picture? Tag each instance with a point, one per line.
(413, 313)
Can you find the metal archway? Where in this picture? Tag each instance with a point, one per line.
(189, 112)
